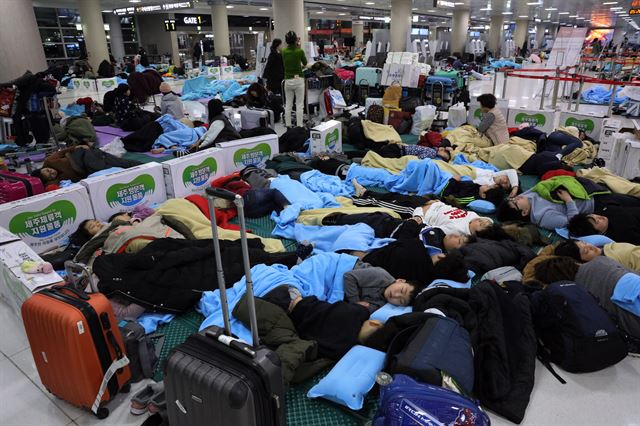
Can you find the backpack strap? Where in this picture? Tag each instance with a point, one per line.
(543, 357)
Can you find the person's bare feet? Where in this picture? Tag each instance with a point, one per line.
(360, 190)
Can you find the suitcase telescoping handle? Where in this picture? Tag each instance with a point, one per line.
(212, 194)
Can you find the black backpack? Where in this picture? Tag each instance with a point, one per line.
(574, 331)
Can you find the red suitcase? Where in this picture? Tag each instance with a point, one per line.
(16, 186)
(77, 346)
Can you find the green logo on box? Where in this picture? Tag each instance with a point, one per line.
(331, 139)
(256, 156)
(45, 222)
(535, 119)
(76, 83)
(585, 125)
(478, 114)
(86, 83)
(130, 194)
(107, 83)
(200, 174)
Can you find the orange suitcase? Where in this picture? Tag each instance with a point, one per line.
(77, 346)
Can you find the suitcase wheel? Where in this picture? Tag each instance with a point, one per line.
(102, 413)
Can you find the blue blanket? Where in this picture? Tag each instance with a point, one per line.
(200, 87)
(600, 95)
(320, 275)
(501, 63)
(317, 181)
(627, 293)
(461, 160)
(73, 110)
(176, 134)
(360, 237)
(419, 176)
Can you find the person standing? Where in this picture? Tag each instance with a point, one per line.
(274, 69)
(294, 59)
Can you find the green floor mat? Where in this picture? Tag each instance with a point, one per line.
(144, 158)
(175, 332)
(263, 226)
(410, 139)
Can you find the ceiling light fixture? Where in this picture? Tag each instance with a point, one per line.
(369, 3)
(414, 8)
(135, 1)
(551, 8)
(535, 3)
(342, 14)
(264, 8)
(523, 16)
(486, 8)
(564, 13)
(616, 8)
(573, 16)
(507, 13)
(459, 3)
(229, 6)
(607, 3)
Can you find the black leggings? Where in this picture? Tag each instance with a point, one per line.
(384, 225)
(404, 205)
(542, 162)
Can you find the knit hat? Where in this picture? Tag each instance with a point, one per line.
(165, 87)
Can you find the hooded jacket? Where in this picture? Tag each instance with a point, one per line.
(172, 104)
(77, 163)
(483, 255)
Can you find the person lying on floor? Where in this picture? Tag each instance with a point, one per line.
(533, 206)
(393, 150)
(605, 279)
(76, 163)
(505, 179)
(621, 224)
(562, 141)
(451, 220)
(336, 327)
(373, 287)
(464, 191)
(627, 255)
(402, 204)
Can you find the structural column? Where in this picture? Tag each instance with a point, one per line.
(288, 15)
(400, 24)
(357, 31)
(540, 30)
(220, 23)
(459, 29)
(496, 35)
(521, 32)
(21, 46)
(433, 42)
(115, 37)
(175, 48)
(93, 30)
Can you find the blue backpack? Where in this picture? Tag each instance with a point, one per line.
(405, 402)
(574, 331)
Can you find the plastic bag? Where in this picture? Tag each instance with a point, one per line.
(337, 100)
(115, 148)
(457, 115)
(423, 118)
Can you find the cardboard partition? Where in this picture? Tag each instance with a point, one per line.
(411, 76)
(392, 73)
(45, 221)
(106, 84)
(474, 115)
(255, 151)
(590, 123)
(17, 286)
(213, 72)
(616, 161)
(193, 173)
(541, 119)
(610, 126)
(122, 191)
(326, 137)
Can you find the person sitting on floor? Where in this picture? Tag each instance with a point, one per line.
(451, 220)
(627, 255)
(220, 128)
(170, 103)
(373, 287)
(128, 116)
(621, 224)
(76, 163)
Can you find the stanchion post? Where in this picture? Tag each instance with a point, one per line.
(556, 86)
(495, 82)
(611, 100)
(579, 94)
(504, 86)
(570, 94)
(544, 90)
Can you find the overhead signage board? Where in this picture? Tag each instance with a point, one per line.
(169, 24)
(183, 20)
(151, 8)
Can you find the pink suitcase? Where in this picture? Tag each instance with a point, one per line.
(16, 186)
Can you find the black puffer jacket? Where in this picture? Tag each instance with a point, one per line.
(169, 275)
(483, 255)
(504, 341)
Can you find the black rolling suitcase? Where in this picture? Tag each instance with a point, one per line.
(215, 379)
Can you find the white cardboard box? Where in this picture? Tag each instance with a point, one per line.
(326, 137)
(106, 84)
(610, 126)
(590, 123)
(45, 221)
(541, 119)
(392, 73)
(122, 191)
(616, 155)
(255, 151)
(474, 115)
(191, 174)
(410, 76)
(15, 285)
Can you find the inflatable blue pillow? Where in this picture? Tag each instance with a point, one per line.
(389, 310)
(596, 240)
(351, 378)
(482, 206)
